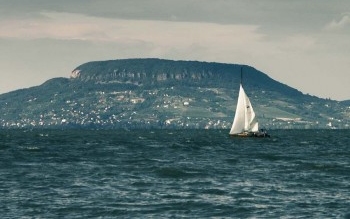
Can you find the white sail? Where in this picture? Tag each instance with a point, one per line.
(245, 120)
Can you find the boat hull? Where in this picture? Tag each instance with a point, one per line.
(251, 135)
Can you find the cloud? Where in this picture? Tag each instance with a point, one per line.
(165, 34)
(342, 23)
(50, 25)
(270, 36)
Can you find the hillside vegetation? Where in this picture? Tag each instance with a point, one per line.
(155, 93)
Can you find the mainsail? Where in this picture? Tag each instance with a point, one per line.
(245, 120)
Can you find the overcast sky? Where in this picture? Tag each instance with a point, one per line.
(302, 43)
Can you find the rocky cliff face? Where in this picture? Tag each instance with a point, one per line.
(167, 72)
(140, 77)
(154, 93)
(143, 72)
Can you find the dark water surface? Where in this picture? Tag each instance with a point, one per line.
(174, 173)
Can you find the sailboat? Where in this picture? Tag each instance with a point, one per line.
(245, 123)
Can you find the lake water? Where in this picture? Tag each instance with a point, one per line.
(174, 173)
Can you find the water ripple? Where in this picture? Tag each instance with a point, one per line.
(162, 174)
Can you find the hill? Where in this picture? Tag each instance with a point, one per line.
(155, 93)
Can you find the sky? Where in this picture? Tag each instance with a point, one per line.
(302, 43)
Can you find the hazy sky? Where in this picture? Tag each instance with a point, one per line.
(302, 43)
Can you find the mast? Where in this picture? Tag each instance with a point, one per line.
(241, 75)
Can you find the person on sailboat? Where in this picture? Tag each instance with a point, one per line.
(264, 133)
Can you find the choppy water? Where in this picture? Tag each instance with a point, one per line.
(174, 173)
